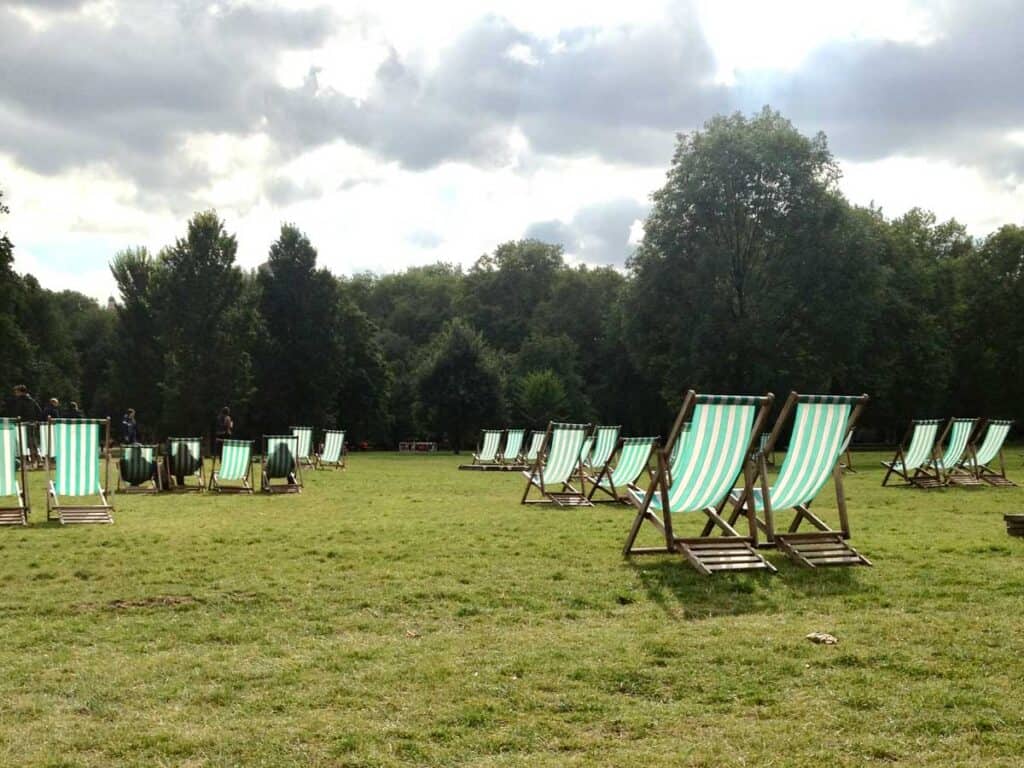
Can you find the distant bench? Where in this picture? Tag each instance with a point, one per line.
(417, 446)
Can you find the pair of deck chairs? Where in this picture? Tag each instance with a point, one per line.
(492, 454)
(720, 447)
(921, 462)
(280, 470)
(570, 457)
(331, 454)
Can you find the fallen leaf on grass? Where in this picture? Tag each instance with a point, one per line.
(822, 638)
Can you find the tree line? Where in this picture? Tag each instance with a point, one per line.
(754, 273)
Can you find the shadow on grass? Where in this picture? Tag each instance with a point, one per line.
(684, 593)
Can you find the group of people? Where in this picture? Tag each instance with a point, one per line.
(26, 408)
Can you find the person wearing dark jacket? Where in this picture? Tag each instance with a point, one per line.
(225, 427)
(27, 409)
(74, 412)
(52, 409)
(129, 428)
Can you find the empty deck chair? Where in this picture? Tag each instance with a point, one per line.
(945, 469)
(556, 465)
(979, 457)
(487, 450)
(820, 426)
(333, 453)
(76, 472)
(138, 470)
(184, 460)
(511, 453)
(716, 452)
(634, 458)
(536, 445)
(233, 468)
(605, 441)
(13, 482)
(914, 452)
(280, 461)
(305, 454)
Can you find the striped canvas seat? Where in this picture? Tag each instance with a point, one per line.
(184, 459)
(513, 448)
(586, 449)
(137, 469)
(305, 453)
(605, 440)
(231, 470)
(536, 444)
(821, 424)
(910, 459)
(634, 457)
(945, 469)
(979, 458)
(554, 468)
(715, 451)
(281, 462)
(334, 449)
(76, 447)
(490, 441)
(13, 488)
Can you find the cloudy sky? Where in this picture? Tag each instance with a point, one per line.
(399, 133)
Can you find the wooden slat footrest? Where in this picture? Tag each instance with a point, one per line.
(710, 556)
(966, 481)
(814, 550)
(998, 481)
(570, 499)
(13, 517)
(82, 516)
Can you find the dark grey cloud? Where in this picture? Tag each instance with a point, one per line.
(597, 234)
(956, 97)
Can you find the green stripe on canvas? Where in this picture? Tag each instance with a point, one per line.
(235, 457)
(305, 436)
(633, 458)
(77, 453)
(334, 444)
(489, 446)
(605, 439)
(513, 444)
(563, 456)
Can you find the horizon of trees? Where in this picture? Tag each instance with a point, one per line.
(754, 274)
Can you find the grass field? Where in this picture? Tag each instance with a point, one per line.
(405, 613)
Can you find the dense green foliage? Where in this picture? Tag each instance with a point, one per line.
(754, 274)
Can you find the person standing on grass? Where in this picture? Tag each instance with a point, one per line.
(24, 406)
(52, 409)
(225, 427)
(74, 412)
(129, 428)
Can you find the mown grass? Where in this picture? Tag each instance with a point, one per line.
(405, 613)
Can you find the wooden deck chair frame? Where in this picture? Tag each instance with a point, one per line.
(171, 473)
(707, 554)
(241, 485)
(898, 465)
(945, 473)
(981, 469)
(604, 481)
(823, 546)
(339, 462)
(78, 513)
(152, 485)
(567, 495)
(310, 458)
(267, 484)
(11, 454)
(514, 460)
(847, 459)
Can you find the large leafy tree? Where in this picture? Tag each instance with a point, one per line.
(460, 390)
(208, 321)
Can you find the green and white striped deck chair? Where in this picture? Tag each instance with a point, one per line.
(334, 449)
(233, 468)
(536, 445)
(945, 469)
(76, 472)
(487, 451)
(634, 457)
(717, 450)
(138, 470)
(979, 457)
(556, 465)
(605, 441)
(306, 453)
(513, 448)
(914, 452)
(280, 461)
(820, 426)
(184, 459)
(13, 482)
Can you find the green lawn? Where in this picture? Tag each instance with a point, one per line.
(405, 613)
